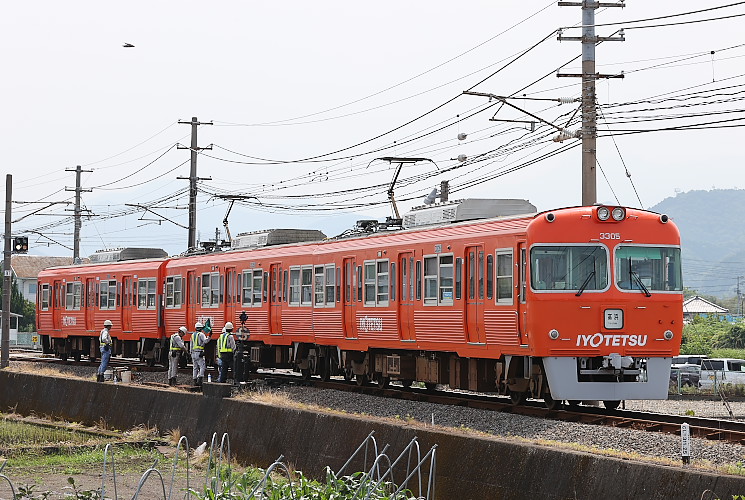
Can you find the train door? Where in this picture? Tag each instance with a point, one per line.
(349, 302)
(275, 299)
(230, 294)
(90, 304)
(57, 301)
(475, 294)
(406, 297)
(192, 295)
(522, 313)
(127, 284)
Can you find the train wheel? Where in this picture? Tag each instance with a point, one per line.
(361, 379)
(407, 382)
(611, 405)
(150, 362)
(348, 375)
(63, 356)
(325, 369)
(518, 398)
(574, 403)
(430, 386)
(76, 356)
(305, 372)
(383, 381)
(551, 403)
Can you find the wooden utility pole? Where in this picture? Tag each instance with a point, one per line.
(78, 219)
(193, 180)
(589, 76)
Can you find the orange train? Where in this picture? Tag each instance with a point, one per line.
(573, 304)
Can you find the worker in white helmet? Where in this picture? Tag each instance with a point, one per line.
(105, 341)
(198, 341)
(225, 347)
(176, 347)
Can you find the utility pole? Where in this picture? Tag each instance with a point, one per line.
(78, 220)
(739, 299)
(5, 359)
(589, 76)
(193, 180)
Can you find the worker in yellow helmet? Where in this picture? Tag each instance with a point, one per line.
(225, 347)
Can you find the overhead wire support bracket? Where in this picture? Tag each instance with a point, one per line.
(148, 209)
(503, 100)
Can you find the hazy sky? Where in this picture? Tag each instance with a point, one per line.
(343, 83)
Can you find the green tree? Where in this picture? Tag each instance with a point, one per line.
(704, 334)
(19, 305)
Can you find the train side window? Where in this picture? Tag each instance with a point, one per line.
(438, 280)
(45, 297)
(471, 275)
(258, 286)
(419, 280)
(481, 274)
(222, 289)
(274, 285)
(285, 286)
(306, 285)
(74, 295)
(393, 281)
(107, 295)
(489, 276)
(458, 278)
(377, 282)
(173, 292)
(404, 278)
(523, 273)
(347, 282)
(504, 276)
(294, 286)
(318, 287)
(359, 283)
(338, 284)
(211, 289)
(330, 285)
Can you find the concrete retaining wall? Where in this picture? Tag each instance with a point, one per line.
(468, 467)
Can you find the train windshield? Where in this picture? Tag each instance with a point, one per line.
(576, 267)
(648, 268)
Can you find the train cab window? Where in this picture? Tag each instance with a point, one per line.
(173, 291)
(568, 267)
(438, 280)
(145, 293)
(45, 297)
(652, 268)
(107, 294)
(252, 287)
(504, 276)
(377, 286)
(74, 293)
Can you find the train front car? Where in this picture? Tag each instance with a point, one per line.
(603, 302)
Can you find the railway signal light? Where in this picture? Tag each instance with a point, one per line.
(20, 244)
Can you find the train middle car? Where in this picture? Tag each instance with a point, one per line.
(573, 304)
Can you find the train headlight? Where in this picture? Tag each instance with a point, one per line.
(668, 335)
(553, 334)
(618, 214)
(603, 213)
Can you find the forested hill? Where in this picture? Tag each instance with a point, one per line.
(712, 228)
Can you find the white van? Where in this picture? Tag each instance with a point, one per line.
(722, 371)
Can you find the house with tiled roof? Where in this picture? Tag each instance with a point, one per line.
(26, 269)
(695, 306)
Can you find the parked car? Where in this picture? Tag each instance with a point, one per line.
(722, 371)
(688, 359)
(689, 374)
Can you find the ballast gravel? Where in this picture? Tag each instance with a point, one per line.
(612, 441)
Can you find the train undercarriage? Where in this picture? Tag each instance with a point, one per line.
(519, 377)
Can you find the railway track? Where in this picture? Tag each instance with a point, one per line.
(732, 431)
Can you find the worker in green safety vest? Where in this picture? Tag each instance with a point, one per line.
(225, 347)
